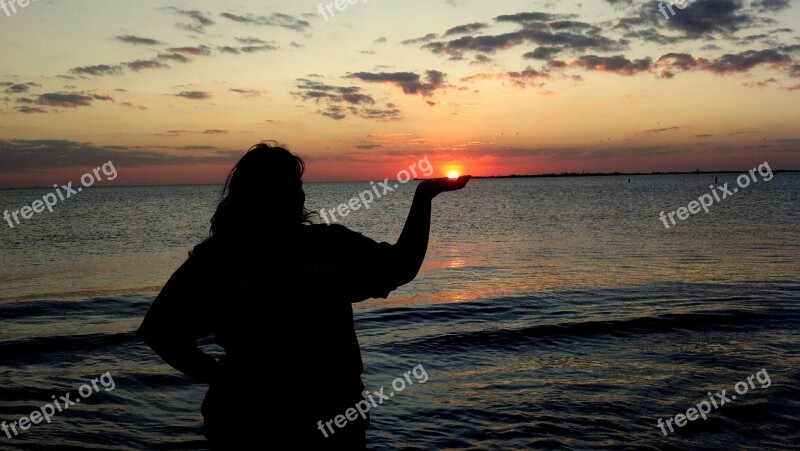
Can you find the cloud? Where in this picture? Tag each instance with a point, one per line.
(708, 16)
(65, 99)
(714, 22)
(228, 49)
(194, 95)
(520, 79)
(794, 48)
(210, 131)
(744, 61)
(427, 38)
(662, 130)
(199, 19)
(770, 5)
(314, 90)
(706, 19)
(35, 155)
(389, 114)
(177, 57)
(726, 64)
(466, 29)
(409, 82)
(31, 109)
(760, 84)
(98, 70)
(337, 112)
(616, 64)
(273, 20)
(481, 59)
(525, 18)
(137, 40)
(542, 53)
(253, 45)
(258, 48)
(334, 112)
(19, 88)
(145, 64)
(132, 106)
(543, 29)
(200, 50)
(247, 92)
(343, 101)
(251, 41)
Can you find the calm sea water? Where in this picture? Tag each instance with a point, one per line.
(550, 314)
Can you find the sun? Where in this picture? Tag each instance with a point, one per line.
(452, 175)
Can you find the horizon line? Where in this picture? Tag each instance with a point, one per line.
(510, 176)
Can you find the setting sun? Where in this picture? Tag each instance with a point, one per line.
(452, 174)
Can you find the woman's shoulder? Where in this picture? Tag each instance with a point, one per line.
(332, 231)
(207, 248)
(326, 228)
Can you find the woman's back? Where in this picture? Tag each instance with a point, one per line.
(281, 308)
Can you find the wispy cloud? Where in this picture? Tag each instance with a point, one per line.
(247, 92)
(671, 63)
(65, 99)
(98, 70)
(210, 131)
(200, 50)
(409, 82)
(137, 40)
(520, 79)
(145, 64)
(29, 155)
(31, 109)
(272, 20)
(199, 19)
(194, 95)
(616, 64)
(343, 101)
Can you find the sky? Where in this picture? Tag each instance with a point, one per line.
(175, 93)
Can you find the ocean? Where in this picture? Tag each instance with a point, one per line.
(550, 313)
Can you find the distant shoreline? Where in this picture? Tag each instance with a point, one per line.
(512, 176)
(608, 174)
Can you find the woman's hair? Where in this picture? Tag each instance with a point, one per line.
(263, 193)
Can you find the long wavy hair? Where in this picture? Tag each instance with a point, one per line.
(263, 193)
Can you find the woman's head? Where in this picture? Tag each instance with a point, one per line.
(264, 191)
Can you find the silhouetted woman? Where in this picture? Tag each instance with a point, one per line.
(276, 292)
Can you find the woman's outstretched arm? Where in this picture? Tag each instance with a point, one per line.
(413, 242)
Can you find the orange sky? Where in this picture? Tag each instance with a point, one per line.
(175, 94)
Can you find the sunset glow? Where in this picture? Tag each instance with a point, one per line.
(176, 94)
(452, 174)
